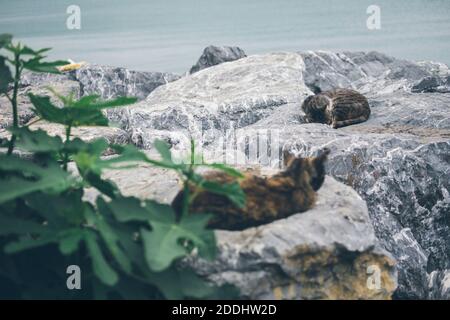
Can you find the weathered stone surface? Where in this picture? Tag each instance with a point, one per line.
(404, 182)
(38, 86)
(439, 285)
(433, 84)
(113, 82)
(324, 253)
(397, 161)
(144, 181)
(214, 55)
(88, 134)
(108, 82)
(229, 95)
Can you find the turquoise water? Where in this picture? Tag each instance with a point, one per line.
(169, 35)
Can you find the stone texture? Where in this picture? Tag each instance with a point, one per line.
(144, 181)
(327, 252)
(108, 82)
(37, 85)
(112, 82)
(229, 95)
(439, 285)
(433, 84)
(397, 161)
(214, 55)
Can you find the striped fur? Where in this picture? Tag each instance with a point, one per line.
(338, 108)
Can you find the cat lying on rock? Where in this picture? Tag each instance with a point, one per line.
(268, 198)
(338, 108)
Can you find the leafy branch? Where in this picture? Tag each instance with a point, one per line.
(131, 245)
(23, 58)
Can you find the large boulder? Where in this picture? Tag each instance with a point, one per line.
(432, 84)
(107, 82)
(112, 82)
(397, 160)
(37, 84)
(214, 55)
(328, 252)
(235, 94)
(439, 285)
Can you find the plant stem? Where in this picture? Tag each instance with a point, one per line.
(14, 102)
(186, 200)
(66, 153)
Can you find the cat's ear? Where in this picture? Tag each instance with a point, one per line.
(323, 155)
(316, 89)
(288, 157)
(318, 169)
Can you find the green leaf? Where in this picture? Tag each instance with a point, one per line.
(178, 283)
(70, 241)
(126, 209)
(161, 246)
(37, 65)
(164, 150)
(101, 267)
(110, 237)
(232, 191)
(126, 153)
(85, 117)
(67, 115)
(208, 249)
(93, 103)
(106, 187)
(89, 158)
(38, 53)
(228, 170)
(47, 110)
(16, 226)
(160, 212)
(5, 39)
(5, 75)
(26, 243)
(36, 141)
(165, 243)
(48, 179)
(60, 210)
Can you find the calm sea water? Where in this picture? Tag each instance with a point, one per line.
(169, 35)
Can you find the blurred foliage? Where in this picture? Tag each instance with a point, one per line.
(126, 247)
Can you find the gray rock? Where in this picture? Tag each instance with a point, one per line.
(38, 85)
(106, 81)
(213, 55)
(328, 252)
(439, 285)
(432, 84)
(35, 79)
(229, 95)
(397, 160)
(113, 82)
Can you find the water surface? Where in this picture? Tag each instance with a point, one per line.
(169, 35)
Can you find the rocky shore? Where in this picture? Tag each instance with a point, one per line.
(385, 206)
